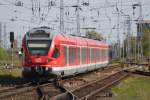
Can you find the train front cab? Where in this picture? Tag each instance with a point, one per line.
(39, 53)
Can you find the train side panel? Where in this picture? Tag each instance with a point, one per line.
(81, 58)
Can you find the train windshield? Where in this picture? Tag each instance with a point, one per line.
(39, 47)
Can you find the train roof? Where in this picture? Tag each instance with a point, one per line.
(40, 33)
(74, 40)
(45, 32)
(46, 29)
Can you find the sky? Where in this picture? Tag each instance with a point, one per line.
(99, 14)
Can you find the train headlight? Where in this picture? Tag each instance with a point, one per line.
(48, 59)
(54, 62)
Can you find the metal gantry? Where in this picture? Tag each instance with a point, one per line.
(119, 8)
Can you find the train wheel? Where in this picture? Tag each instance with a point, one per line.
(33, 72)
(26, 74)
(40, 71)
(44, 73)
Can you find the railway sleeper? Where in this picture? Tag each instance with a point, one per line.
(41, 93)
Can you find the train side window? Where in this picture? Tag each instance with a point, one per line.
(66, 55)
(97, 55)
(83, 52)
(72, 55)
(78, 53)
(101, 54)
(56, 53)
(92, 55)
(90, 50)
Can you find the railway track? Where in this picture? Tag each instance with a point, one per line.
(30, 91)
(85, 92)
(13, 88)
(82, 79)
(49, 89)
(141, 73)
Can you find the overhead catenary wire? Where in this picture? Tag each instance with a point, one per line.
(42, 12)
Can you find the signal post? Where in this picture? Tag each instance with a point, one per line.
(12, 46)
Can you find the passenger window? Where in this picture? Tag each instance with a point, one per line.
(56, 53)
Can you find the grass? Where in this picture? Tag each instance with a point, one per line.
(133, 88)
(2, 54)
(10, 77)
(12, 72)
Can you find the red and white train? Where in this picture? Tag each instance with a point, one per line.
(62, 54)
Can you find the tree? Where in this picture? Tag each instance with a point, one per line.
(94, 35)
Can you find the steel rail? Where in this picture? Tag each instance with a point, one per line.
(105, 86)
(18, 90)
(100, 85)
(27, 88)
(16, 87)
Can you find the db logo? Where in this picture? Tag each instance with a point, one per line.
(38, 60)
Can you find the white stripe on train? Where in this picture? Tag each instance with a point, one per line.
(70, 70)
